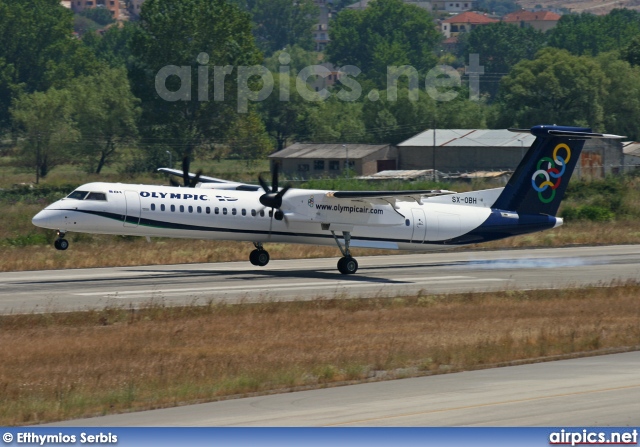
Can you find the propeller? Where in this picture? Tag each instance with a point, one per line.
(188, 182)
(272, 198)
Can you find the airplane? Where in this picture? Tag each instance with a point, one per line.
(419, 220)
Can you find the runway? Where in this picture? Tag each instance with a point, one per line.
(394, 275)
(593, 391)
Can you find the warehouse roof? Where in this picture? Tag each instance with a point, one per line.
(314, 150)
(470, 138)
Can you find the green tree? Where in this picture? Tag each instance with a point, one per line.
(49, 131)
(113, 47)
(500, 46)
(106, 112)
(621, 103)
(588, 34)
(631, 53)
(288, 119)
(249, 139)
(279, 23)
(337, 121)
(387, 33)
(102, 16)
(36, 50)
(200, 35)
(555, 87)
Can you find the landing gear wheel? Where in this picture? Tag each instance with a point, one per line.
(61, 244)
(347, 265)
(259, 257)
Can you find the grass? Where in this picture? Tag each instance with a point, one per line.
(68, 365)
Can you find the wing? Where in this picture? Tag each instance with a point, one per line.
(219, 183)
(388, 196)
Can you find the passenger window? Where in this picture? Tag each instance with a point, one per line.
(199, 209)
(224, 211)
(233, 211)
(244, 212)
(217, 210)
(261, 213)
(190, 209)
(253, 213)
(208, 210)
(96, 196)
(173, 208)
(182, 208)
(153, 207)
(162, 207)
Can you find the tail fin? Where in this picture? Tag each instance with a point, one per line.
(538, 184)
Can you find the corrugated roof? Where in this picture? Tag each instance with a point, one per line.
(470, 138)
(631, 148)
(339, 151)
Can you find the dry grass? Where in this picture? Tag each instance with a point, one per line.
(61, 366)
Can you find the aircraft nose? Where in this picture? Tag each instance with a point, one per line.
(45, 219)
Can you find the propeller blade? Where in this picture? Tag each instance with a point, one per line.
(264, 184)
(196, 179)
(174, 183)
(274, 178)
(185, 171)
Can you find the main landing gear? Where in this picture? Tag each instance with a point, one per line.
(259, 256)
(61, 243)
(346, 265)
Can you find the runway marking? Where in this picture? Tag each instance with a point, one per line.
(490, 404)
(312, 285)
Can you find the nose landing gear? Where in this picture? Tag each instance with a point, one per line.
(61, 243)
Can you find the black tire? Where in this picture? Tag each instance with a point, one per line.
(262, 258)
(347, 265)
(61, 244)
(253, 257)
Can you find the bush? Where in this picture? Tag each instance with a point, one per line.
(101, 16)
(587, 212)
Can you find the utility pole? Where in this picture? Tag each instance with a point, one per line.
(434, 150)
(346, 168)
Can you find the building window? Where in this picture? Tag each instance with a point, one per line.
(349, 164)
(318, 165)
(334, 165)
(303, 167)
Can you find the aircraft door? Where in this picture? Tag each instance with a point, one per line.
(132, 218)
(419, 226)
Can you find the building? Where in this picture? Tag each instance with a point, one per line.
(464, 23)
(111, 5)
(311, 160)
(539, 20)
(631, 150)
(454, 6)
(359, 5)
(472, 150)
(135, 6)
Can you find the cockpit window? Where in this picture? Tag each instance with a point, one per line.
(96, 196)
(78, 195)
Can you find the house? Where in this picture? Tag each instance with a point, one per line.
(134, 7)
(111, 5)
(310, 160)
(539, 20)
(464, 23)
(454, 6)
(359, 5)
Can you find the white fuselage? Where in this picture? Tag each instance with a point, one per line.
(310, 216)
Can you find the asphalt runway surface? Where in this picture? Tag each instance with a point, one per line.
(592, 391)
(378, 276)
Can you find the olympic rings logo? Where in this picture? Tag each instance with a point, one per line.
(555, 170)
